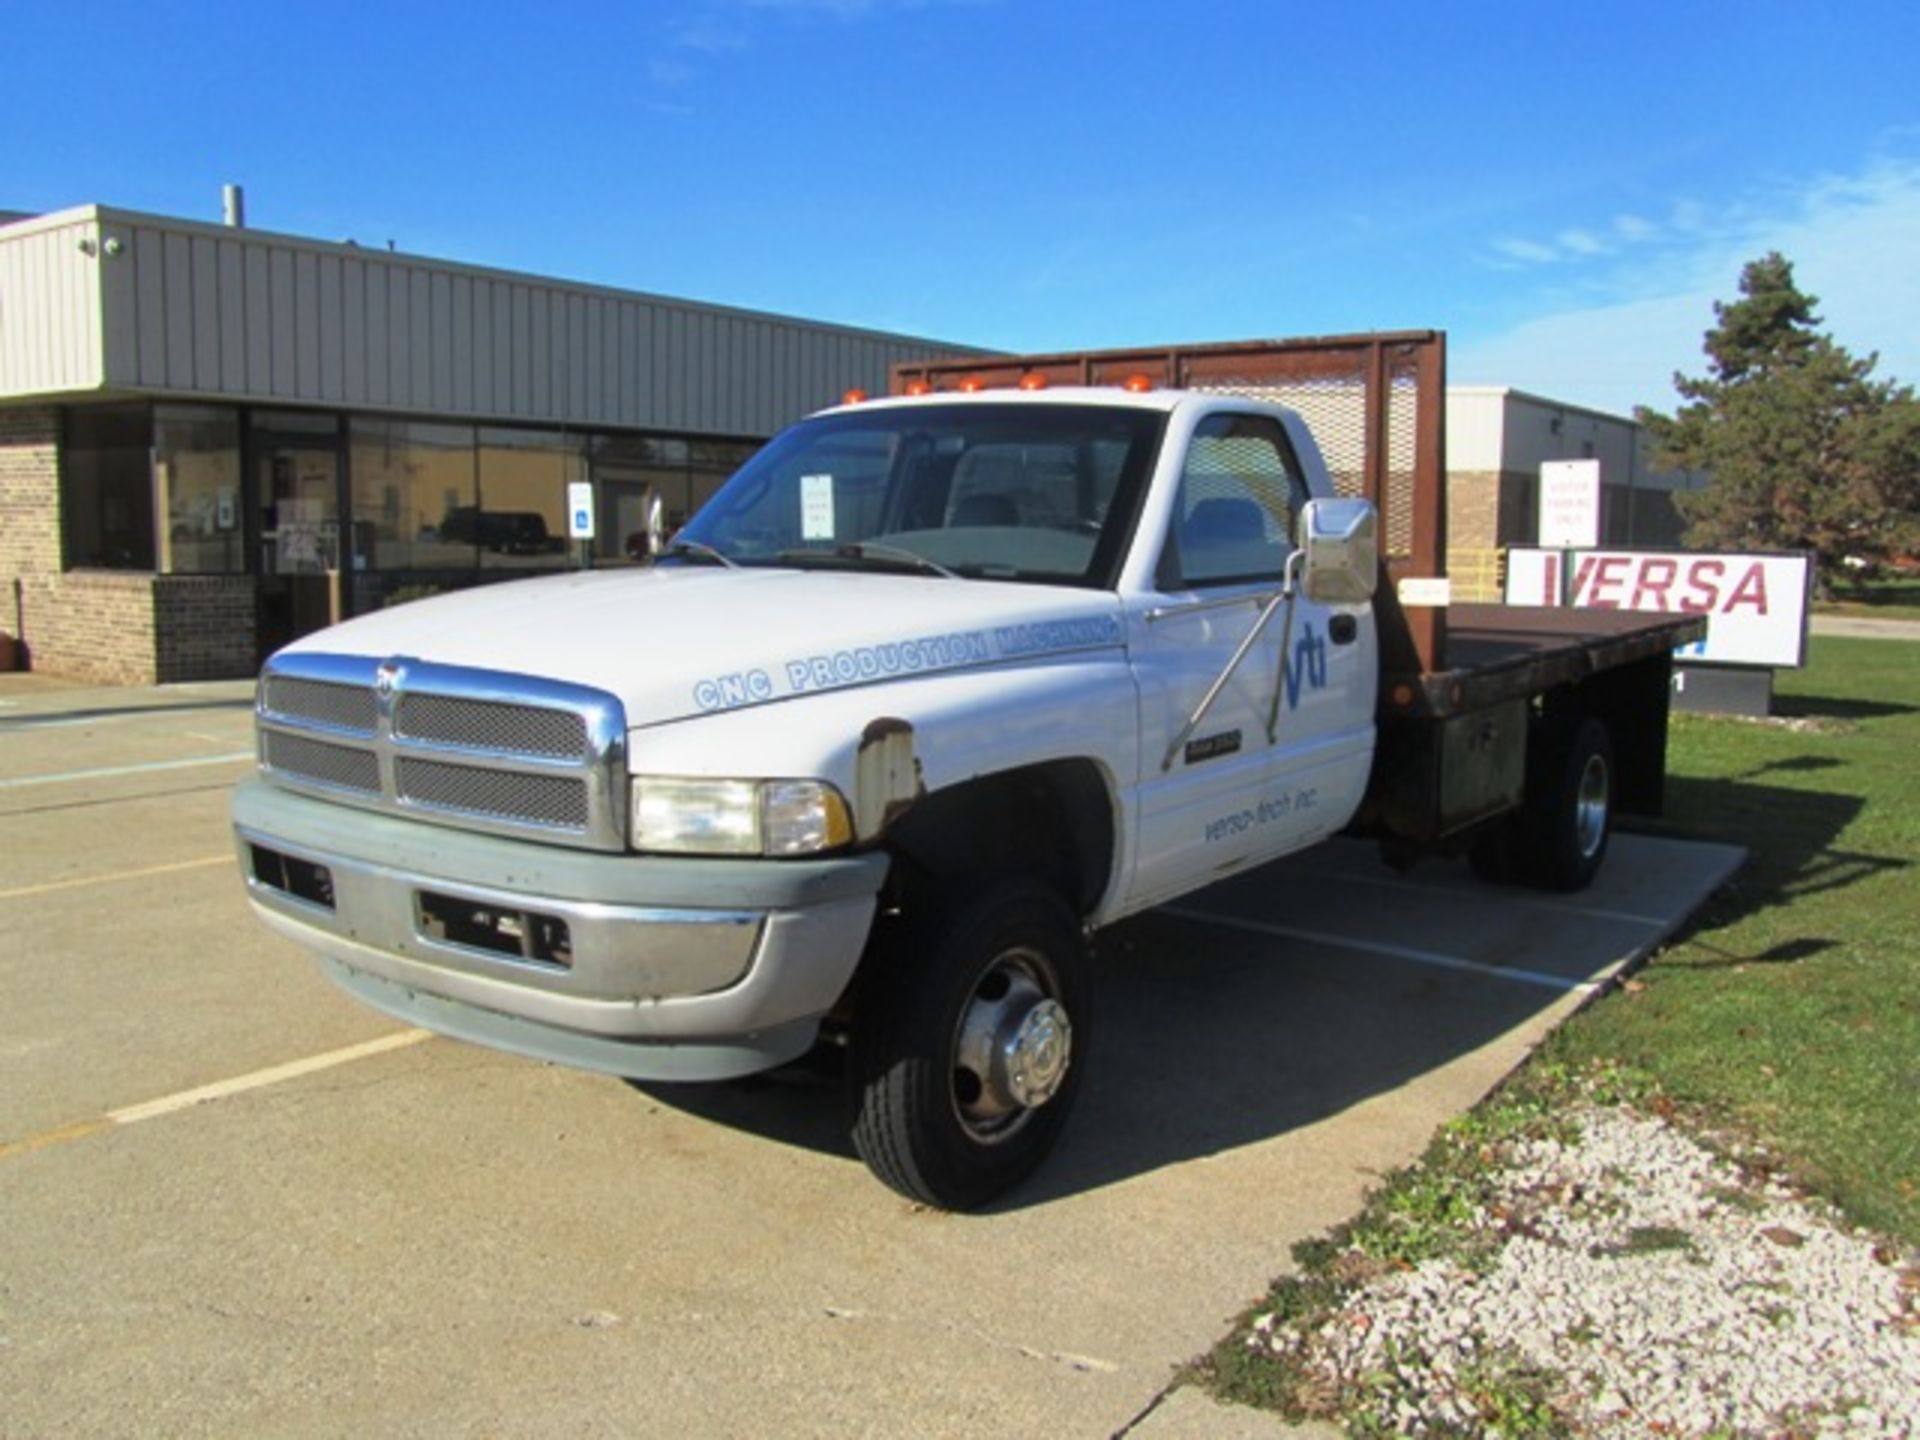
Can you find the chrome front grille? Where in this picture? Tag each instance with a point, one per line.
(341, 707)
(480, 749)
(489, 725)
(324, 763)
(556, 800)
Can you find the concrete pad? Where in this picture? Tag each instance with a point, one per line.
(440, 1240)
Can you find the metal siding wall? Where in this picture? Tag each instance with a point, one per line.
(205, 310)
(191, 309)
(51, 319)
(231, 285)
(280, 321)
(353, 332)
(259, 303)
(177, 278)
(120, 318)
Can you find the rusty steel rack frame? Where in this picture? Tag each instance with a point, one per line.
(1401, 466)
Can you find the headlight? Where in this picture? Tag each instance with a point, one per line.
(738, 817)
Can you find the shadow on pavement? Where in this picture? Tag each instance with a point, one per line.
(1208, 1039)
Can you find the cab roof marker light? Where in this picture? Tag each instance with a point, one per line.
(972, 385)
(919, 387)
(1137, 384)
(853, 397)
(1033, 380)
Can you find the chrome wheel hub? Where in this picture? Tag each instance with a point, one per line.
(1590, 807)
(1012, 1049)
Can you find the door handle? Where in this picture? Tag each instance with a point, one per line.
(1343, 629)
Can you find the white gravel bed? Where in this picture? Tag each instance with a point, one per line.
(1672, 1293)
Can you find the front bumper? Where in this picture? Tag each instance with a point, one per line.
(673, 969)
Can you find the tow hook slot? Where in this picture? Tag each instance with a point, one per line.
(496, 929)
(290, 875)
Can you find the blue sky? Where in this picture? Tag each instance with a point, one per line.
(1564, 189)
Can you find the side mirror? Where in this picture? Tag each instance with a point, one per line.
(656, 530)
(1341, 540)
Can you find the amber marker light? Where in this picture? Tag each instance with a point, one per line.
(1033, 380)
(972, 385)
(919, 387)
(1137, 384)
(853, 397)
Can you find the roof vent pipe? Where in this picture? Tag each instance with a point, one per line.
(233, 204)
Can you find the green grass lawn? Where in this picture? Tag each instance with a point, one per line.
(1792, 1010)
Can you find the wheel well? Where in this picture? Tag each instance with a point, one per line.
(1054, 821)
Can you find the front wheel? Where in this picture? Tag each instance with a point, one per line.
(969, 1055)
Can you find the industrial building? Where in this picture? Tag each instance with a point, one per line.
(1497, 439)
(214, 439)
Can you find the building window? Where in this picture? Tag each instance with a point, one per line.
(196, 477)
(414, 493)
(106, 487)
(634, 473)
(520, 522)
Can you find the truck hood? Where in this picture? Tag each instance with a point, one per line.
(675, 642)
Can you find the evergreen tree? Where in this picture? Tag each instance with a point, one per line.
(1802, 448)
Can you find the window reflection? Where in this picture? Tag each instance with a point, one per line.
(106, 487)
(520, 521)
(412, 486)
(196, 475)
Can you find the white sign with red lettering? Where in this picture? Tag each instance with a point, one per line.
(1756, 605)
(1570, 503)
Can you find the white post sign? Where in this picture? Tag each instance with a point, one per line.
(1569, 504)
(580, 509)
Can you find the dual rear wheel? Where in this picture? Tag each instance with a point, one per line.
(1558, 837)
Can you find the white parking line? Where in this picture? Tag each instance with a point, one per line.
(1558, 907)
(105, 772)
(1435, 958)
(218, 1090)
(272, 1075)
(79, 882)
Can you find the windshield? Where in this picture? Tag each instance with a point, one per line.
(1043, 493)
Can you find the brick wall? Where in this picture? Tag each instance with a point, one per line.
(203, 626)
(114, 627)
(1473, 509)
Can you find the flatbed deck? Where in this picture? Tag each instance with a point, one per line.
(1505, 652)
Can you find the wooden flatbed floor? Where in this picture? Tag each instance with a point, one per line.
(1502, 652)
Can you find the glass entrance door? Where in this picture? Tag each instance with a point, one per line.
(297, 487)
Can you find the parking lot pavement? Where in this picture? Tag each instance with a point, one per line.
(420, 1237)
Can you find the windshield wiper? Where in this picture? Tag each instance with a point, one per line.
(861, 549)
(697, 547)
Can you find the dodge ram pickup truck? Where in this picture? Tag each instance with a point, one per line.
(936, 687)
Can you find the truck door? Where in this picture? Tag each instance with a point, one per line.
(1224, 794)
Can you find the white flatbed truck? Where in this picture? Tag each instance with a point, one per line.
(938, 686)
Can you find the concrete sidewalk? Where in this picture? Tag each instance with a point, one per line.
(1866, 627)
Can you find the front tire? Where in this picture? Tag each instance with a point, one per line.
(969, 1055)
